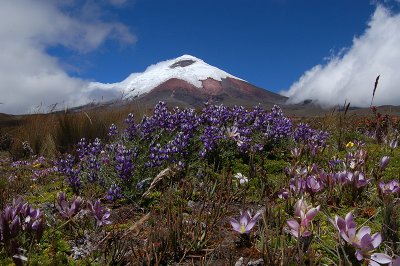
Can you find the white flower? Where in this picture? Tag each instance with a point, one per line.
(232, 132)
(242, 179)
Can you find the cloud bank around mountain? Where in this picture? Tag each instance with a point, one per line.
(29, 75)
(350, 75)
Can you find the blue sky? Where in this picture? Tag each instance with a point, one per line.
(328, 51)
(269, 43)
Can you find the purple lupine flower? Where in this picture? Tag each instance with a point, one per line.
(245, 223)
(68, 209)
(74, 180)
(65, 165)
(20, 163)
(95, 147)
(113, 193)
(100, 213)
(278, 126)
(66, 168)
(93, 166)
(42, 172)
(124, 165)
(210, 137)
(304, 214)
(383, 163)
(82, 148)
(113, 130)
(131, 130)
(302, 132)
(313, 139)
(390, 187)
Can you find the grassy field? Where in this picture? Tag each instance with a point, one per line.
(217, 186)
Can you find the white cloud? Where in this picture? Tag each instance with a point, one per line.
(29, 76)
(351, 75)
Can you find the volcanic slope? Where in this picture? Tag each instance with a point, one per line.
(189, 81)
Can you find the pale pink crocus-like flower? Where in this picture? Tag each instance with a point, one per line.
(383, 163)
(304, 214)
(245, 223)
(362, 241)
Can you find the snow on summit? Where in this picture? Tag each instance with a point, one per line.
(188, 68)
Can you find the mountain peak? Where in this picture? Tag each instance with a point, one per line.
(187, 57)
(186, 67)
(188, 81)
(184, 61)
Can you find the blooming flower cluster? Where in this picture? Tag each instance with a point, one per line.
(113, 193)
(67, 168)
(123, 163)
(19, 220)
(347, 172)
(312, 140)
(363, 242)
(69, 209)
(168, 136)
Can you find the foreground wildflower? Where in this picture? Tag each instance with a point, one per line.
(245, 223)
(390, 187)
(68, 209)
(362, 241)
(19, 221)
(349, 144)
(100, 213)
(393, 144)
(304, 214)
(383, 163)
(242, 179)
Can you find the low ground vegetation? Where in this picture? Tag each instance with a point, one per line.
(218, 186)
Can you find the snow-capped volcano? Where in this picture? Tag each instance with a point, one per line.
(187, 68)
(188, 80)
